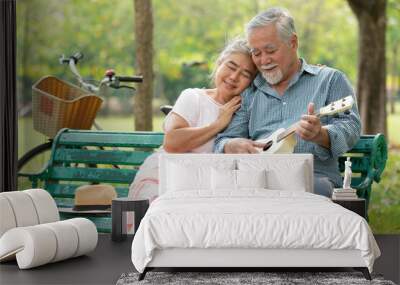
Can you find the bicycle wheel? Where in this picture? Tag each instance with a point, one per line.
(30, 155)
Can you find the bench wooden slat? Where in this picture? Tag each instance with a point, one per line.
(113, 157)
(68, 190)
(103, 223)
(92, 174)
(64, 202)
(364, 144)
(143, 140)
(358, 164)
(355, 181)
(61, 190)
(122, 191)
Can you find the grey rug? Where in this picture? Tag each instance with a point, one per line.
(242, 278)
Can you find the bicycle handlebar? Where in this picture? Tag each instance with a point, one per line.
(76, 57)
(110, 78)
(129, 78)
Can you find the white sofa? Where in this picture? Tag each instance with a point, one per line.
(31, 231)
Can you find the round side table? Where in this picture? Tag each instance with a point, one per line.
(118, 207)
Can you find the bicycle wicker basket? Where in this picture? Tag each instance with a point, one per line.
(58, 104)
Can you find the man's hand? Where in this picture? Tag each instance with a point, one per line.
(310, 129)
(240, 145)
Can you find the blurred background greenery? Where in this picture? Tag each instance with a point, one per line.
(187, 37)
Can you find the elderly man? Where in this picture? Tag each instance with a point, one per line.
(285, 89)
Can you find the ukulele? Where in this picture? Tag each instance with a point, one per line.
(283, 140)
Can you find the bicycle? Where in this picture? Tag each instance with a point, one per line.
(110, 80)
(165, 109)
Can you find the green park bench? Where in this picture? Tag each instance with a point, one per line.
(81, 157)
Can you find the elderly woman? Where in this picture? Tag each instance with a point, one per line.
(200, 114)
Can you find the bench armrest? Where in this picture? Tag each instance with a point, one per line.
(379, 156)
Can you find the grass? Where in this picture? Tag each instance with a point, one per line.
(393, 128)
(384, 209)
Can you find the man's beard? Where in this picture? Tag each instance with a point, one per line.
(273, 77)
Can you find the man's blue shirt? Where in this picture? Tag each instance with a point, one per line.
(263, 111)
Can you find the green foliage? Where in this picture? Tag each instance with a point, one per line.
(393, 127)
(393, 23)
(189, 31)
(393, 44)
(185, 31)
(198, 30)
(197, 76)
(384, 209)
(46, 29)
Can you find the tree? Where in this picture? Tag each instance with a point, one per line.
(144, 59)
(393, 51)
(371, 83)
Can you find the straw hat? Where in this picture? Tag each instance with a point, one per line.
(94, 197)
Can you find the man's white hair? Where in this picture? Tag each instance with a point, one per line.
(280, 17)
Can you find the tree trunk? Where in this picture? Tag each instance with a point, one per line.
(144, 60)
(371, 84)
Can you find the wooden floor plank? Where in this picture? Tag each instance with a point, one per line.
(111, 259)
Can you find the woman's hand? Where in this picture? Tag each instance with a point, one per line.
(182, 138)
(226, 112)
(242, 145)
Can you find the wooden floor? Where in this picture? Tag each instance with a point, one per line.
(102, 266)
(111, 259)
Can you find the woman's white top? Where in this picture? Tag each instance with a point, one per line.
(199, 110)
